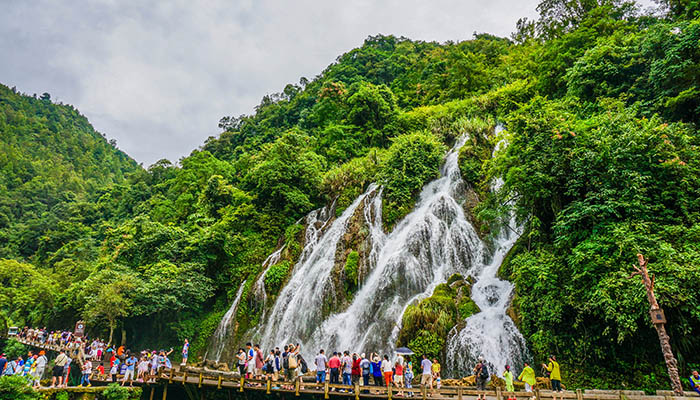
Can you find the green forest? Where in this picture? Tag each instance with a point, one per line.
(600, 102)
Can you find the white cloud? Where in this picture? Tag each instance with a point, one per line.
(158, 76)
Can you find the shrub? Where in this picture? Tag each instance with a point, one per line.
(16, 388)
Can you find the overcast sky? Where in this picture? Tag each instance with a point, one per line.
(158, 76)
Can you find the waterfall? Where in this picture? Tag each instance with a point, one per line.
(425, 248)
(221, 333)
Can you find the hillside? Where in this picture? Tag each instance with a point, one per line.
(600, 108)
(50, 157)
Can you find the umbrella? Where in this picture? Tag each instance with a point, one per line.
(404, 351)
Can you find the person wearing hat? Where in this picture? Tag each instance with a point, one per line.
(528, 376)
(40, 367)
(481, 373)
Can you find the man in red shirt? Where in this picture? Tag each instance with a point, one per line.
(334, 365)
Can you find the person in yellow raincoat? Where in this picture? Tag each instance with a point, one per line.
(554, 376)
(528, 376)
(508, 377)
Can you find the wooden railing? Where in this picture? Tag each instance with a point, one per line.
(230, 380)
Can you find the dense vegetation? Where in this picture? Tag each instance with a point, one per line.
(600, 104)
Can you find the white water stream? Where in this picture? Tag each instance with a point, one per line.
(430, 244)
(221, 333)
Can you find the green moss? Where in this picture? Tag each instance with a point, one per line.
(455, 278)
(467, 308)
(351, 270)
(427, 342)
(275, 276)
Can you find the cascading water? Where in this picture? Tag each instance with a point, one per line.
(298, 307)
(221, 333)
(490, 333)
(430, 244)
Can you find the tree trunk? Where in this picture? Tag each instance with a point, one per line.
(111, 331)
(123, 335)
(664, 339)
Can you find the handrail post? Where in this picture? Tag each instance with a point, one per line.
(325, 389)
(388, 391)
(200, 380)
(218, 386)
(170, 380)
(537, 394)
(297, 386)
(269, 385)
(357, 390)
(184, 378)
(579, 394)
(459, 393)
(165, 392)
(423, 391)
(242, 383)
(499, 395)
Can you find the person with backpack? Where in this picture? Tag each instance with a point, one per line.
(554, 376)
(408, 376)
(291, 364)
(11, 367)
(482, 375)
(59, 362)
(365, 367)
(356, 369)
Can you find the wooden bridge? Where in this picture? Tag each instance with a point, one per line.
(195, 382)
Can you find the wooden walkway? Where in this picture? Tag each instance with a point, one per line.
(190, 378)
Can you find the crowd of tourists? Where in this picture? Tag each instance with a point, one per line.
(100, 359)
(359, 369)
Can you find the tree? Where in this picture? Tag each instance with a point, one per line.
(108, 297)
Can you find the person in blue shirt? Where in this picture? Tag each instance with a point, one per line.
(130, 366)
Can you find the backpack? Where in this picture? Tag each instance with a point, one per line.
(484, 373)
(304, 367)
(292, 361)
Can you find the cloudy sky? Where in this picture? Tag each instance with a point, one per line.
(158, 76)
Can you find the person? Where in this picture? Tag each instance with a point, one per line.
(3, 363)
(241, 357)
(365, 367)
(130, 366)
(66, 371)
(11, 367)
(482, 375)
(292, 363)
(321, 364)
(508, 377)
(426, 378)
(347, 368)
(86, 370)
(259, 362)
(528, 376)
(376, 370)
(143, 369)
(114, 369)
(408, 376)
(388, 370)
(356, 369)
(695, 381)
(40, 366)
(59, 363)
(185, 352)
(334, 366)
(554, 376)
(398, 376)
(277, 365)
(435, 369)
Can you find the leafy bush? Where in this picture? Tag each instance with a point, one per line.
(412, 161)
(276, 275)
(427, 342)
(117, 392)
(16, 388)
(351, 271)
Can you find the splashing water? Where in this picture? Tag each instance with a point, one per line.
(430, 244)
(221, 333)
